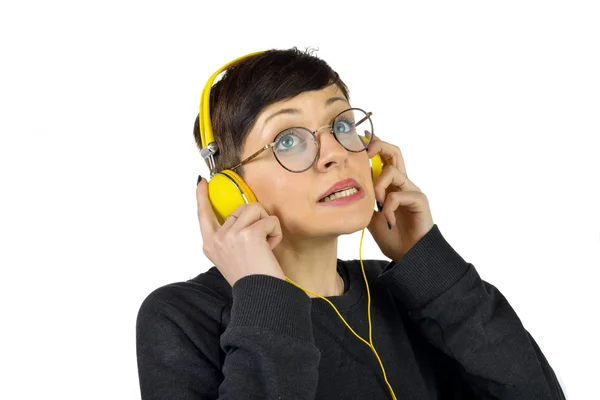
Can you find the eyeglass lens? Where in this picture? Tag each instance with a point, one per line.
(296, 148)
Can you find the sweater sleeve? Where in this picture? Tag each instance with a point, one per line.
(268, 344)
(470, 321)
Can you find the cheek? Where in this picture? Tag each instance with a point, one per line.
(366, 178)
(369, 187)
(280, 194)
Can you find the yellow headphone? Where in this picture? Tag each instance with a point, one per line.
(227, 190)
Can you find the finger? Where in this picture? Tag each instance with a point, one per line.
(256, 219)
(252, 217)
(375, 137)
(247, 214)
(410, 201)
(268, 228)
(206, 215)
(229, 221)
(393, 179)
(390, 154)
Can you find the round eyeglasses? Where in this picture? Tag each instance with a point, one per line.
(297, 149)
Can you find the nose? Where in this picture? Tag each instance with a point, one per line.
(331, 152)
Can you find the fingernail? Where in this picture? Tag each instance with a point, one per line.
(389, 226)
(199, 179)
(379, 206)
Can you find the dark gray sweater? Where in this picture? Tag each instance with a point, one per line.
(441, 333)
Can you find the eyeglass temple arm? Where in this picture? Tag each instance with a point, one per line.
(363, 120)
(253, 156)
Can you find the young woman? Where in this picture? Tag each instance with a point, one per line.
(279, 315)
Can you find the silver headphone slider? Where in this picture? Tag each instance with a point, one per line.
(209, 150)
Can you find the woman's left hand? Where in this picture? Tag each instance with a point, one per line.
(404, 205)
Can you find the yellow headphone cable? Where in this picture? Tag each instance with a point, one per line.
(370, 343)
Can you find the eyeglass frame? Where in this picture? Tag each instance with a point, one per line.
(330, 126)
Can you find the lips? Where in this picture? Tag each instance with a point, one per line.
(343, 184)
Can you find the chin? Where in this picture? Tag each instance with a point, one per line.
(349, 224)
(310, 224)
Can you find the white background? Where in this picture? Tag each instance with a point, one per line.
(495, 107)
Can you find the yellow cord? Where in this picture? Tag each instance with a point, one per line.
(369, 314)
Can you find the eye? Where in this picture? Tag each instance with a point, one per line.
(343, 126)
(288, 141)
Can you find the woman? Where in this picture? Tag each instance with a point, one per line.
(260, 323)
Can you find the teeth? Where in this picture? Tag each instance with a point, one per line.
(341, 193)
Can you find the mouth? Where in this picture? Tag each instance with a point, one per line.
(346, 189)
(343, 197)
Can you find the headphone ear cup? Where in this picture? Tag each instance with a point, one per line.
(226, 191)
(376, 163)
(376, 167)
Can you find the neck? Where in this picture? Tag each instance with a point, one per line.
(312, 264)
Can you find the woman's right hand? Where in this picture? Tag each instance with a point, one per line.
(244, 244)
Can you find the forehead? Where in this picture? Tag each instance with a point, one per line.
(310, 103)
(305, 101)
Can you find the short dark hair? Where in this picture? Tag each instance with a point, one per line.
(248, 87)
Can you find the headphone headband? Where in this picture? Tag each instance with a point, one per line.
(209, 147)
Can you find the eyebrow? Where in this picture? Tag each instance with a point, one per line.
(329, 102)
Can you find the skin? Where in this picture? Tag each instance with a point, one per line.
(287, 233)
(307, 252)
(405, 206)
